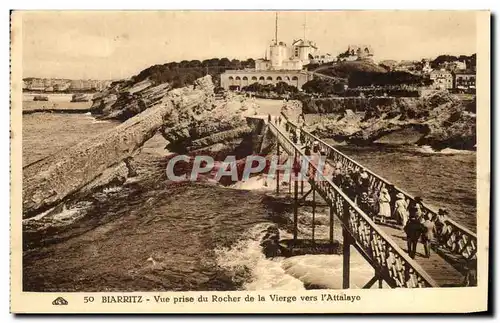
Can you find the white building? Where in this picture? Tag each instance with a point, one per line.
(442, 79)
(322, 59)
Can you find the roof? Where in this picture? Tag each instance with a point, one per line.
(264, 72)
(440, 72)
(465, 72)
(303, 43)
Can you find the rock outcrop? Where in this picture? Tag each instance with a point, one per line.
(439, 119)
(189, 118)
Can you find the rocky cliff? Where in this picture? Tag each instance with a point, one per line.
(189, 118)
(438, 119)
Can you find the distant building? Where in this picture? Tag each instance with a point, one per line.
(304, 50)
(237, 79)
(322, 59)
(62, 86)
(426, 66)
(464, 79)
(285, 64)
(442, 79)
(356, 52)
(36, 85)
(406, 66)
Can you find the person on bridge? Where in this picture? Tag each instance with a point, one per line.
(315, 147)
(302, 135)
(428, 234)
(384, 206)
(366, 204)
(413, 230)
(307, 149)
(338, 177)
(401, 209)
(269, 118)
(279, 120)
(416, 208)
(349, 187)
(440, 221)
(364, 182)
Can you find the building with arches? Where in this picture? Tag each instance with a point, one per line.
(237, 79)
(285, 64)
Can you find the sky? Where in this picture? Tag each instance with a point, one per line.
(116, 45)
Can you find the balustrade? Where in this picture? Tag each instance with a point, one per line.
(390, 261)
(454, 237)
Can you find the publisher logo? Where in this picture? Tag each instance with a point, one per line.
(59, 301)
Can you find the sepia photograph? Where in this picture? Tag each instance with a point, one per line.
(288, 153)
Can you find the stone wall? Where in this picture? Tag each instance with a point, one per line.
(340, 104)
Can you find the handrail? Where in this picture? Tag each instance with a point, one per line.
(378, 245)
(457, 239)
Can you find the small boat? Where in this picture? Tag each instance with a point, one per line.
(79, 98)
(41, 98)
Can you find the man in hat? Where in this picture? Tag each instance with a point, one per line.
(364, 182)
(429, 231)
(366, 204)
(413, 230)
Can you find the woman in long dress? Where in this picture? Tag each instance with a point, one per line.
(401, 209)
(384, 203)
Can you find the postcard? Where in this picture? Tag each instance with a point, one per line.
(250, 161)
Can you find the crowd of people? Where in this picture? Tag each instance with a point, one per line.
(385, 206)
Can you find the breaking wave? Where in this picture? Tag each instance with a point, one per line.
(248, 267)
(446, 151)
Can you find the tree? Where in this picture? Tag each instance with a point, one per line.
(194, 63)
(184, 64)
(225, 62)
(249, 63)
(319, 85)
(442, 59)
(235, 64)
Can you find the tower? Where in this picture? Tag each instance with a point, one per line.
(276, 30)
(277, 50)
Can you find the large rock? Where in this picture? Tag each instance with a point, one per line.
(438, 119)
(50, 180)
(189, 118)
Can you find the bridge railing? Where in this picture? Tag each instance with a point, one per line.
(454, 237)
(390, 261)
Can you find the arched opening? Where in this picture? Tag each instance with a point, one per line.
(261, 80)
(231, 80)
(269, 80)
(238, 80)
(295, 81)
(279, 79)
(244, 81)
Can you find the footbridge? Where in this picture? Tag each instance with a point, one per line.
(383, 246)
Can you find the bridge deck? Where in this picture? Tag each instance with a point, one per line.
(436, 266)
(439, 268)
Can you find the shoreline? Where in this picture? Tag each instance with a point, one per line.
(52, 110)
